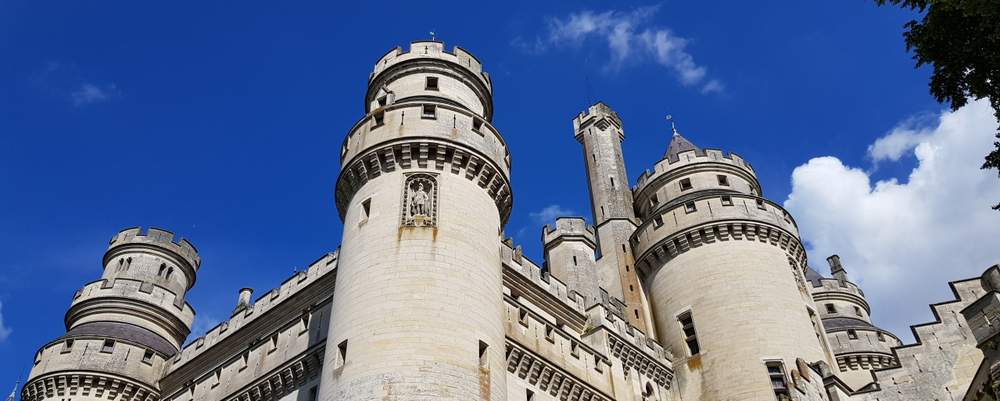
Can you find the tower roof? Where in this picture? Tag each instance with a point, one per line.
(679, 144)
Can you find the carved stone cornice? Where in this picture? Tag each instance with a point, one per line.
(66, 385)
(549, 377)
(283, 380)
(633, 358)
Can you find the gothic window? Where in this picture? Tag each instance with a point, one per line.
(420, 200)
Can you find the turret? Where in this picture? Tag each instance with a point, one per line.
(122, 329)
(569, 254)
(857, 345)
(424, 193)
(599, 130)
(724, 269)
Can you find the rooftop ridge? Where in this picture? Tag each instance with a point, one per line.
(160, 238)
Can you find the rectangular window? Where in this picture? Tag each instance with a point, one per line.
(658, 220)
(429, 111)
(378, 118)
(67, 347)
(851, 334)
(612, 182)
(690, 336)
(147, 357)
(857, 311)
(366, 208)
(760, 204)
(550, 333)
(341, 354)
(432, 84)
(109, 346)
(690, 207)
(477, 124)
(727, 201)
(881, 337)
(484, 355)
(685, 184)
(830, 308)
(382, 100)
(723, 180)
(776, 372)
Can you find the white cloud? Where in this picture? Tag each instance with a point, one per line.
(4, 330)
(549, 214)
(903, 241)
(89, 93)
(629, 40)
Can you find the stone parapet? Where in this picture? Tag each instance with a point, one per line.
(159, 238)
(667, 168)
(569, 229)
(113, 297)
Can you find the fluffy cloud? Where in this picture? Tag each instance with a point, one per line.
(902, 241)
(549, 214)
(629, 39)
(4, 330)
(89, 93)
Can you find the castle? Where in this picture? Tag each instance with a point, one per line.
(689, 285)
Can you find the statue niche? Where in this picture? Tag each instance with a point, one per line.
(420, 192)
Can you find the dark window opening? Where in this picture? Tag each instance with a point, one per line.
(723, 180)
(776, 371)
(690, 336)
(429, 111)
(685, 184)
(432, 84)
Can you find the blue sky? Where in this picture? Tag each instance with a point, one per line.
(222, 123)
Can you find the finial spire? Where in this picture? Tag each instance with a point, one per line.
(673, 125)
(433, 35)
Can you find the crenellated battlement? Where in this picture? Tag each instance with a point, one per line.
(435, 50)
(600, 114)
(298, 281)
(159, 238)
(569, 229)
(145, 292)
(600, 316)
(668, 168)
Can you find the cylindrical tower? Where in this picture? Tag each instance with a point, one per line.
(424, 193)
(122, 328)
(723, 267)
(857, 344)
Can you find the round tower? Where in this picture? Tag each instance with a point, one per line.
(723, 268)
(858, 345)
(424, 193)
(122, 328)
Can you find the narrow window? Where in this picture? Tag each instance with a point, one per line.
(574, 260)
(685, 184)
(727, 201)
(529, 395)
(477, 124)
(128, 263)
(881, 337)
(170, 271)
(484, 355)
(163, 268)
(549, 333)
(366, 208)
(760, 204)
(378, 118)
(723, 180)
(690, 207)
(574, 349)
(630, 288)
(658, 220)
(690, 336)
(627, 268)
(636, 312)
(341, 354)
(313, 393)
(432, 84)
(147, 357)
(429, 111)
(109, 346)
(851, 334)
(830, 308)
(382, 100)
(67, 347)
(654, 201)
(857, 311)
(612, 182)
(776, 371)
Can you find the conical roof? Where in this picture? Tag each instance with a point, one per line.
(679, 144)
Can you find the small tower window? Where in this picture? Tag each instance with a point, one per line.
(851, 334)
(163, 268)
(690, 336)
(432, 84)
(881, 337)
(727, 201)
(685, 184)
(67, 346)
(612, 182)
(723, 180)
(429, 111)
(147, 357)
(529, 395)
(108, 347)
(170, 271)
(378, 118)
(382, 100)
(658, 220)
(857, 311)
(366, 208)
(760, 204)
(341, 354)
(653, 201)
(776, 371)
(830, 308)
(690, 207)
(484, 355)
(477, 124)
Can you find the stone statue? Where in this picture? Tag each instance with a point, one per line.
(419, 201)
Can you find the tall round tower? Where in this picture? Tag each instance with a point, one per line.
(723, 267)
(858, 345)
(424, 193)
(122, 328)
